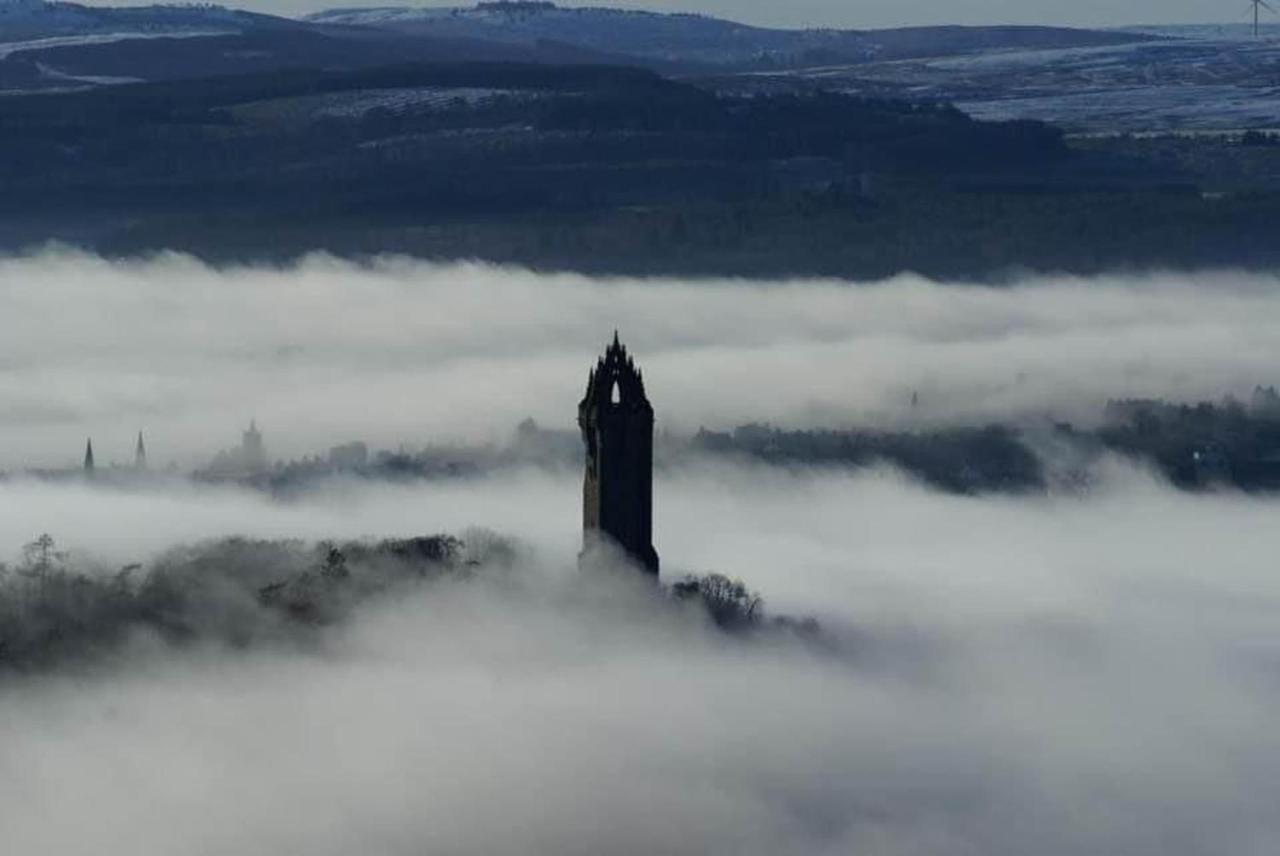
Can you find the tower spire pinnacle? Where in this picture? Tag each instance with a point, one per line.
(140, 454)
(88, 455)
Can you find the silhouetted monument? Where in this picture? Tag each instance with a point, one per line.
(617, 427)
(88, 456)
(140, 454)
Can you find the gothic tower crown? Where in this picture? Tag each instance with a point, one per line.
(615, 382)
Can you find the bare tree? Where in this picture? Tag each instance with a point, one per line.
(729, 602)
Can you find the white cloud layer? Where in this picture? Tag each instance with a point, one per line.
(1058, 675)
(406, 352)
(1038, 675)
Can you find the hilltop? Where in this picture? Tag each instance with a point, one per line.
(701, 39)
(61, 46)
(66, 45)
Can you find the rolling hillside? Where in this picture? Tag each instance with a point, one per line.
(701, 39)
(62, 46)
(59, 46)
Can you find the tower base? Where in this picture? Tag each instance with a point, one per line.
(601, 551)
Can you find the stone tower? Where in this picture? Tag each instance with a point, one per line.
(617, 428)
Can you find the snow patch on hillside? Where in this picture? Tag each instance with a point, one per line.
(8, 49)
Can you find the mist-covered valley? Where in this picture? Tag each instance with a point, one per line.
(1084, 668)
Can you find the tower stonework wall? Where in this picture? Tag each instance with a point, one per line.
(616, 420)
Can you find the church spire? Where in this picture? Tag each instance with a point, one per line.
(140, 454)
(88, 456)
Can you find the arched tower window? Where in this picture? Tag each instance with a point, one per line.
(615, 392)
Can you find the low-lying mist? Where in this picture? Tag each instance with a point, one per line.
(1058, 672)
(408, 352)
(1049, 674)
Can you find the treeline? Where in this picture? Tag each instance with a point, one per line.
(1195, 446)
(1259, 138)
(959, 460)
(1201, 445)
(546, 119)
(57, 609)
(863, 133)
(199, 101)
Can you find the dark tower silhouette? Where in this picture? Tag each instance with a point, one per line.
(88, 456)
(140, 454)
(617, 427)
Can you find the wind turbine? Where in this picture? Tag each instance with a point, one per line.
(1258, 6)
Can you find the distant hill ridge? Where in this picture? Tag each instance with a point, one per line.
(59, 46)
(64, 45)
(703, 39)
(34, 19)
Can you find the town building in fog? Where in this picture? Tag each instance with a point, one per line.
(246, 461)
(1265, 402)
(100, 471)
(349, 456)
(616, 421)
(252, 450)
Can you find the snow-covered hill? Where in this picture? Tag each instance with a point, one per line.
(29, 20)
(44, 44)
(34, 18)
(47, 46)
(1140, 79)
(698, 38)
(67, 45)
(1193, 84)
(672, 37)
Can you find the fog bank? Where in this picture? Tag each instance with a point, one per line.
(1057, 675)
(1060, 673)
(408, 352)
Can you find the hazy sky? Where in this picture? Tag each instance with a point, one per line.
(882, 13)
